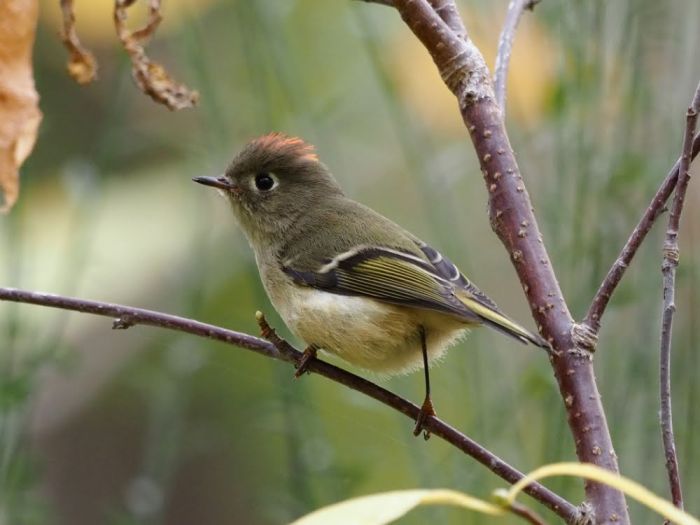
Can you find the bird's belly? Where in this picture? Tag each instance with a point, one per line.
(370, 334)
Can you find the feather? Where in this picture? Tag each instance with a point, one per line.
(404, 279)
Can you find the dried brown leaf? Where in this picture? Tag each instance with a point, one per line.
(82, 65)
(19, 101)
(151, 77)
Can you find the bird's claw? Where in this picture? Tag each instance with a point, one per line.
(303, 364)
(426, 411)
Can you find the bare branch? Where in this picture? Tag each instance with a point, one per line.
(459, 61)
(612, 279)
(388, 3)
(668, 267)
(526, 513)
(465, 73)
(150, 77)
(82, 65)
(447, 10)
(671, 245)
(516, 8)
(127, 316)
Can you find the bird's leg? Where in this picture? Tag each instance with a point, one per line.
(426, 410)
(284, 347)
(303, 364)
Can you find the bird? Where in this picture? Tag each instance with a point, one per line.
(345, 279)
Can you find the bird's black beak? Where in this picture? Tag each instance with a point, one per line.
(222, 182)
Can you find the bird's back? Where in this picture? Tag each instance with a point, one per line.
(332, 229)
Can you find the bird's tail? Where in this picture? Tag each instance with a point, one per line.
(500, 322)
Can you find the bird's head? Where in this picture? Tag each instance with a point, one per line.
(272, 182)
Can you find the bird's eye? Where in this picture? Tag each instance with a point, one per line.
(265, 181)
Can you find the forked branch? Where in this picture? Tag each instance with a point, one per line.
(464, 71)
(447, 10)
(617, 270)
(516, 8)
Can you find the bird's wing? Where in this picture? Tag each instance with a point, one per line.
(476, 300)
(386, 275)
(405, 279)
(448, 270)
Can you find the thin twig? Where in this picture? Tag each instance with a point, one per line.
(526, 513)
(464, 71)
(516, 8)
(617, 270)
(388, 3)
(82, 65)
(670, 263)
(150, 77)
(127, 316)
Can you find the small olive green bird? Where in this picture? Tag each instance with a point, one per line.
(344, 278)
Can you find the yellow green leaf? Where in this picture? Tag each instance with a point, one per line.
(631, 488)
(385, 507)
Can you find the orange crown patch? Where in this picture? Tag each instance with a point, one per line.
(285, 144)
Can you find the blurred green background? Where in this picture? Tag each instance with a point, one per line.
(150, 427)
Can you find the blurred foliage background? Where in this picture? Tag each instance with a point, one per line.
(150, 427)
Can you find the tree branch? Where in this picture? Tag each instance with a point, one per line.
(525, 513)
(388, 3)
(447, 10)
(668, 267)
(617, 270)
(127, 316)
(465, 73)
(516, 8)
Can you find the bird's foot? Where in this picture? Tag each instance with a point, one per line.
(426, 410)
(284, 348)
(303, 364)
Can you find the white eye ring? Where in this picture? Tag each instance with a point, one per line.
(264, 181)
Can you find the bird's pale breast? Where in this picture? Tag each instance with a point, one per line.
(370, 334)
